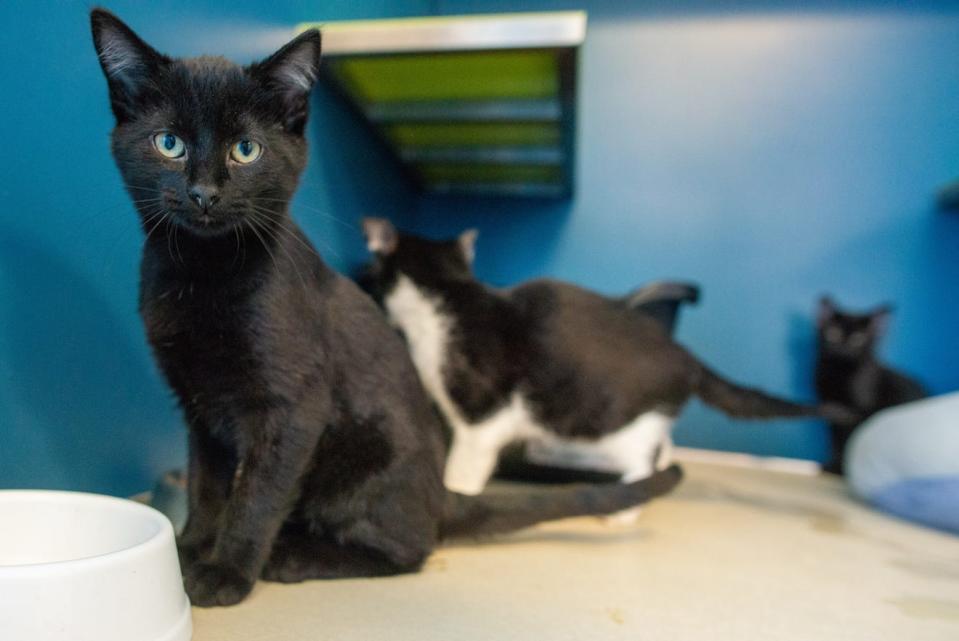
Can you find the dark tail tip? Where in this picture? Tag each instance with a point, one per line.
(839, 414)
(665, 481)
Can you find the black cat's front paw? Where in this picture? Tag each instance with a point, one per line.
(210, 584)
(190, 553)
(195, 543)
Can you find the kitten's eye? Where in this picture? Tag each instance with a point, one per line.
(834, 335)
(245, 151)
(169, 145)
(857, 339)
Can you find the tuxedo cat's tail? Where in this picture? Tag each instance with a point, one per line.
(744, 402)
(510, 511)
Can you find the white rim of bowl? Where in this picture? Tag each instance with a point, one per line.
(163, 533)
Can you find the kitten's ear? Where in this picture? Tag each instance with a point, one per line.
(879, 319)
(127, 61)
(291, 72)
(467, 243)
(381, 236)
(825, 311)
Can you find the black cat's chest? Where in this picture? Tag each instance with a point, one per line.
(200, 333)
(852, 383)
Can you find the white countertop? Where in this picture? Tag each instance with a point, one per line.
(735, 553)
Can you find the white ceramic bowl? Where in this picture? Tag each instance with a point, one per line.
(85, 567)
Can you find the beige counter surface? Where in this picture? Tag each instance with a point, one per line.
(737, 554)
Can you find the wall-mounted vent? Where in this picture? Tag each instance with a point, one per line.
(469, 105)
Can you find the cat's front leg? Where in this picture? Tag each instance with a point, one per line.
(264, 492)
(210, 474)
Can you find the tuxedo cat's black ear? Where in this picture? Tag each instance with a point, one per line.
(381, 236)
(467, 243)
(825, 311)
(127, 61)
(291, 72)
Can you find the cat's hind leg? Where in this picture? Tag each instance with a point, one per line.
(664, 455)
(644, 446)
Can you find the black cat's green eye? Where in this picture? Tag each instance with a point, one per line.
(245, 151)
(168, 145)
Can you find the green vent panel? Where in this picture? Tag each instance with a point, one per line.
(476, 104)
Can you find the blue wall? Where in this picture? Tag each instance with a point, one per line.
(81, 403)
(771, 152)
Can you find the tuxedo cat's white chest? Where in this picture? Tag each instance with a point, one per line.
(427, 334)
(476, 445)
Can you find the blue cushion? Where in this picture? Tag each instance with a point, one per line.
(905, 460)
(932, 501)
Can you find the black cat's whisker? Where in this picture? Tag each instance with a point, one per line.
(242, 245)
(159, 222)
(266, 247)
(258, 232)
(279, 219)
(176, 242)
(168, 235)
(153, 217)
(317, 210)
(272, 234)
(236, 251)
(143, 188)
(310, 248)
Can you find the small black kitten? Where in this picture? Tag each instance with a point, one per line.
(848, 372)
(314, 452)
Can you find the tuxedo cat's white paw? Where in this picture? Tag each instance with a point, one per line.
(623, 518)
(468, 472)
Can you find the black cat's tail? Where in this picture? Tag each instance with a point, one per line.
(510, 511)
(744, 402)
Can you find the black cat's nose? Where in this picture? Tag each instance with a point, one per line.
(204, 196)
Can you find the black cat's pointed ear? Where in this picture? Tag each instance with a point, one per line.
(291, 73)
(879, 319)
(127, 61)
(467, 243)
(381, 236)
(825, 310)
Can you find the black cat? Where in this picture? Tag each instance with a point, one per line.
(583, 378)
(314, 452)
(849, 373)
